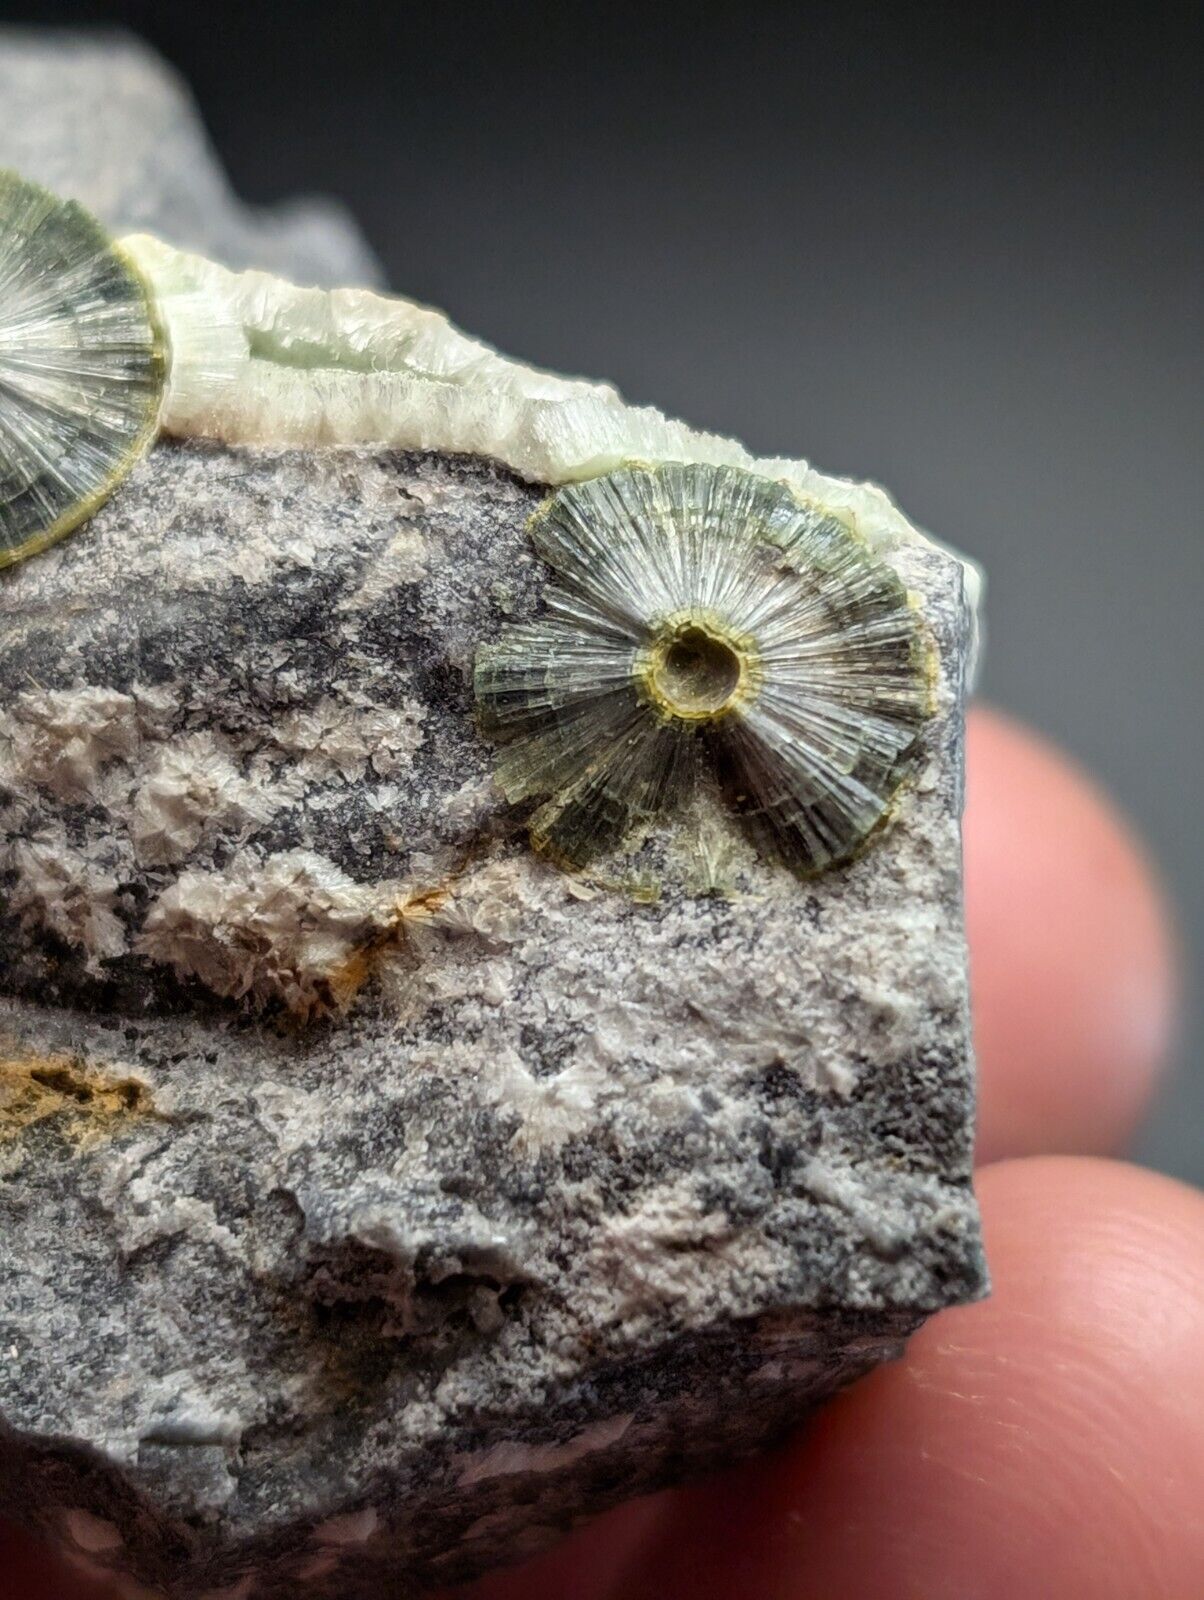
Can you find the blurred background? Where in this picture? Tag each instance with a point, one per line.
(955, 249)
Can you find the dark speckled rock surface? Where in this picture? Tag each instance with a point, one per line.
(356, 1163)
(376, 1199)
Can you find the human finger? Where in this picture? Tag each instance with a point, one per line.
(1072, 954)
(1048, 1442)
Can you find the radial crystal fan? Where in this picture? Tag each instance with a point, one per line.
(705, 624)
(81, 368)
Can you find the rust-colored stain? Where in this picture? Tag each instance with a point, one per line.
(342, 984)
(85, 1103)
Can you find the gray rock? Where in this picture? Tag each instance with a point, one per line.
(375, 1199)
(101, 118)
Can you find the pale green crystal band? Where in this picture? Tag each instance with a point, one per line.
(261, 361)
(258, 361)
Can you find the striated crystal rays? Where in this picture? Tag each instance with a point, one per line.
(82, 368)
(705, 625)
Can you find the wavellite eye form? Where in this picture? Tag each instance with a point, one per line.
(705, 628)
(82, 367)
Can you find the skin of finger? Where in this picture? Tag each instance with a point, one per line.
(583, 1567)
(1047, 1443)
(1073, 961)
(29, 1571)
(586, 1565)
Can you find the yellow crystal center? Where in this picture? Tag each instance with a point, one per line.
(696, 669)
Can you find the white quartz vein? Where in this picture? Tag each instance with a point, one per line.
(258, 361)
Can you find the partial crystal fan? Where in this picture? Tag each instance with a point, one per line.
(81, 368)
(706, 625)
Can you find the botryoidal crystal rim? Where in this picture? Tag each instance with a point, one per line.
(705, 627)
(82, 367)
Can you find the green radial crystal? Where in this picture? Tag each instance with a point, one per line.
(82, 368)
(705, 625)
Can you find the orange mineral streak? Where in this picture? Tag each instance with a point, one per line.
(84, 1103)
(344, 983)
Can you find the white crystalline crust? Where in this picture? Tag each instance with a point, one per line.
(256, 360)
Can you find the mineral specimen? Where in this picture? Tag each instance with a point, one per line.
(377, 1198)
(707, 625)
(359, 1169)
(81, 368)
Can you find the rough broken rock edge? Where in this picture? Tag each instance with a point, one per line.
(561, 1198)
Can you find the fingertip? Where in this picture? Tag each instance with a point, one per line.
(585, 1565)
(1073, 964)
(29, 1570)
(1045, 1442)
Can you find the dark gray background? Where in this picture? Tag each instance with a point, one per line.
(959, 253)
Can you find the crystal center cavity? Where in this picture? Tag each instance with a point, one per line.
(696, 669)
